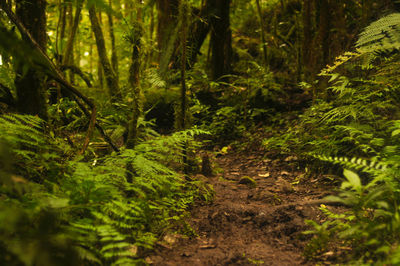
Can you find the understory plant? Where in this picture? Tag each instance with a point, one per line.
(60, 211)
(354, 123)
(368, 229)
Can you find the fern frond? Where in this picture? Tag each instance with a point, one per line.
(370, 166)
(381, 35)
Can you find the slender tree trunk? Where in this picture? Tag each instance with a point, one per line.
(324, 30)
(61, 24)
(68, 58)
(151, 55)
(134, 75)
(183, 15)
(167, 32)
(134, 81)
(184, 23)
(70, 22)
(264, 45)
(111, 78)
(221, 40)
(30, 84)
(114, 55)
(307, 45)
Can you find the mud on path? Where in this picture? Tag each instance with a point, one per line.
(247, 225)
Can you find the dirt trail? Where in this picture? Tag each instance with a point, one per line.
(248, 225)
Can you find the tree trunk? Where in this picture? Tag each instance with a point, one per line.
(307, 40)
(324, 30)
(114, 55)
(74, 27)
(30, 84)
(134, 81)
(199, 30)
(62, 22)
(221, 37)
(264, 45)
(183, 15)
(167, 32)
(111, 78)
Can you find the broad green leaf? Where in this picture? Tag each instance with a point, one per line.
(353, 179)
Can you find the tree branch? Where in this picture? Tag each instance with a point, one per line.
(43, 61)
(77, 71)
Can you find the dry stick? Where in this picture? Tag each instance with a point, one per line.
(55, 73)
(310, 203)
(99, 128)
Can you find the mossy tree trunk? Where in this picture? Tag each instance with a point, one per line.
(167, 32)
(134, 81)
(30, 83)
(110, 76)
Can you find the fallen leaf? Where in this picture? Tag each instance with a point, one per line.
(208, 246)
(264, 175)
(170, 239)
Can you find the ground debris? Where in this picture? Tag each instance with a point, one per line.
(261, 222)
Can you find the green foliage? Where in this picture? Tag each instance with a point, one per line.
(382, 35)
(228, 109)
(370, 228)
(76, 212)
(354, 115)
(353, 123)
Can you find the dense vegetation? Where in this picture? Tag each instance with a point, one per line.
(105, 105)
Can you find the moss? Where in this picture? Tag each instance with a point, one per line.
(247, 180)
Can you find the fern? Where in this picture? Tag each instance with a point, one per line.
(382, 35)
(370, 166)
(97, 216)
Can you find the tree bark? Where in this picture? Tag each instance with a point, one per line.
(167, 32)
(134, 81)
(30, 84)
(221, 37)
(74, 27)
(111, 78)
(307, 39)
(199, 30)
(264, 45)
(114, 55)
(183, 15)
(324, 30)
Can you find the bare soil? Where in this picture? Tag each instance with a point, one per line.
(247, 224)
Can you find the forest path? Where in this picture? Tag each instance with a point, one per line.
(247, 225)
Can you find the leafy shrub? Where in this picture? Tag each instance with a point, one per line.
(370, 229)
